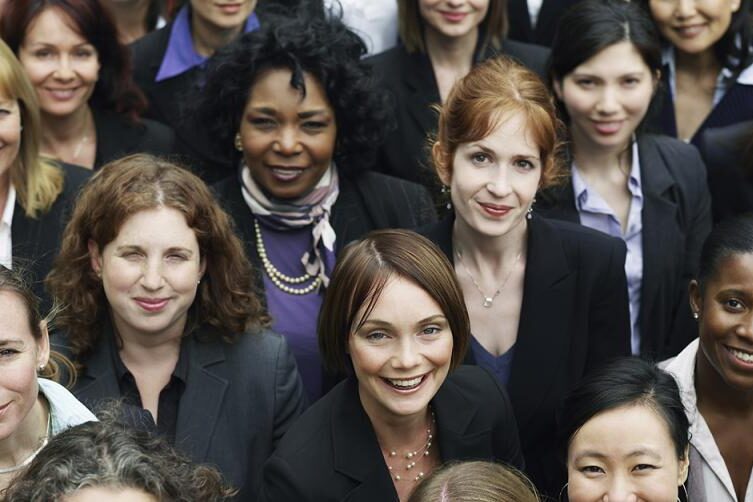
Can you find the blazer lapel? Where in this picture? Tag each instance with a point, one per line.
(202, 399)
(98, 380)
(418, 76)
(454, 414)
(541, 343)
(356, 452)
(659, 218)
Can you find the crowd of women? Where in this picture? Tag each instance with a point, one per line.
(465, 268)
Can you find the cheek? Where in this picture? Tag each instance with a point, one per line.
(367, 361)
(323, 149)
(21, 377)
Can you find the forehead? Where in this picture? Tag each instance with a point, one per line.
(14, 321)
(616, 432)
(401, 301)
(616, 59)
(53, 26)
(733, 271)
(511, 134)
(163, 226)
(272, 88)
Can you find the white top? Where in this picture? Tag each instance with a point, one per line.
(65, 410)
(375, 21)
(534, 7)
(6, 245)
(709, 479)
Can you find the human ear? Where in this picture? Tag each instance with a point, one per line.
(696, 299)
(557, 86)
(43, 346)
(684, 467)
(441, 164)
(734, 6)
(95, 257)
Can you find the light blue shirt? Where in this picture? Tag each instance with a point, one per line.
(595, 213)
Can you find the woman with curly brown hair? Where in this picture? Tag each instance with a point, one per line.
(158, 312)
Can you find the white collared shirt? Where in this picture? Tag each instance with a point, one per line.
(534, 8)
(6, 244)
(709, 478)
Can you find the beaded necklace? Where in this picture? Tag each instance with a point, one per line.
(279, 279)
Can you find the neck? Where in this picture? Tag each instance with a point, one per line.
(716, 394)
(208, 39)
(146, 348)
(27, 437)
(67, 129)
(130, 18)
(702, 63)
(592, 158)
(455, 52)
(400, 433)
(490, 254)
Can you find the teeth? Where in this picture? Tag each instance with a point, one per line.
(406, 383)
(743, 356)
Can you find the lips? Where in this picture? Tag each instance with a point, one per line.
(454, 17)
(152, 304)
(608, 127)
(741, 356)
(4, 408)
(405, 384)
(286, 173)
(495, 210)
(690, 31)
(229, 8)
(62, 94)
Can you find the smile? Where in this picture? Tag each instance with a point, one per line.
(405, 383)
(495, 210)
(62, 94)
(745, 357)
(286, 173)
(152, 304)
(454, 17)
(229, 8)
(690, 31)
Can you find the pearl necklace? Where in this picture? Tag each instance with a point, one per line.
(414, 456)
(488, 300)
(27, 460)
(278, 278)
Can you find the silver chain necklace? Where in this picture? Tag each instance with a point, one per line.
(488, 300)
(27, 460)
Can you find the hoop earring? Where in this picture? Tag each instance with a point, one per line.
(559, 497)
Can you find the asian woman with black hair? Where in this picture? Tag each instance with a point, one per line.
(648, 190)
(707, 64)
(715, 371)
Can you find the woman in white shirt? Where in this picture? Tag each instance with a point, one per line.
(715, 371)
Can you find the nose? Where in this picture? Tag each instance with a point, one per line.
(64, 70)
(499, 184)
(620, 490)
(684, 8)
(406, 355)
(608, 102)
(151, 275)
(287, 142)
(745, 328)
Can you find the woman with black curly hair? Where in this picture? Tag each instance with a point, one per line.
(300, 109)
(107, 461)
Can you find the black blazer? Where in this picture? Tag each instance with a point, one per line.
(410, 80)
(574, 317)
(117, 137)
(519, 21)
(331, 453)
(676, 219)
(729, 164)
(238, 401)
(36, 241)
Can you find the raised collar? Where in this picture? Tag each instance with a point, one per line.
(180, 55)
(581, 189)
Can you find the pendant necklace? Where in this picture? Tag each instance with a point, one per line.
(488, 300)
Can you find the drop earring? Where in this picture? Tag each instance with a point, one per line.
(529, 213)
(238, 142)
(446, 195)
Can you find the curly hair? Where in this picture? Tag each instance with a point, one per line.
(225, 300)
(323, 48)
(107, 454)
(115, 89)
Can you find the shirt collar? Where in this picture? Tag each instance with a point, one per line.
(180, 55)
(181, 367)
(10, 205)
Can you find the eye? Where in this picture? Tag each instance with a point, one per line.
(631, 81)
(43, 53)
(6, 353)
(480, 158)
(83, 53)
(591, 470)
(644, 467)
(177, 257)
(376, 336)
(262, 122)
(313, 125)
(431, 330)
(525, 164)
(733, 305)
(585, 83)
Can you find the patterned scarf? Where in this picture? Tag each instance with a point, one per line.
(311, 209)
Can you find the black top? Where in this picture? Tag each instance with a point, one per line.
(519, 21)
(118, 136)
(36, 241)
(331, 453)
(409, 77)
(676, 219)
(573, 318)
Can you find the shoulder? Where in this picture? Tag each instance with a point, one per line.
(671, 149)
(725, 145)
(682, 160)
(390, 66)
(150, 48)
(575, 237)
(474, 382)
(387, 59)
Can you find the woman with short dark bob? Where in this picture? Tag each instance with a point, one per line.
(625, 436)
(440, 42)
(303, 117)
(496, 147)
(650, 191)
(393, 318)
(82, 76)
(715, 371)
(108, 461)
(158, 312)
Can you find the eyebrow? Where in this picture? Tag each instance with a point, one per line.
(11, 342)
(426, 320)
(635, 453)
(129, 247)
(492, 152)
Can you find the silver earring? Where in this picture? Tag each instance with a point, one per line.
(446, 194)
(529, 213)
(238, 142)
(695, 315)
(198, 282)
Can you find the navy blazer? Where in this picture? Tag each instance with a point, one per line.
(239, 399)
(409, 77)
(331, 453)
(735, 106)
(36, 241)
(117, 136)
(676, 219)
(573, 318)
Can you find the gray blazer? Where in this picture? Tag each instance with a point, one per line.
(238, 402)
